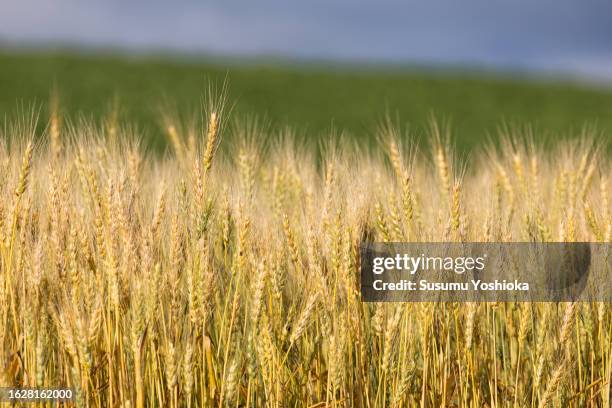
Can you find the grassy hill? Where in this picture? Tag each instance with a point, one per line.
(312, 99)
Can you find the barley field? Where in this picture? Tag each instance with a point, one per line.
(230, 276)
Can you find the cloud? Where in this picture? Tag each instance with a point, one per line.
(521, 33)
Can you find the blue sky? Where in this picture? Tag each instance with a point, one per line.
(567, 36)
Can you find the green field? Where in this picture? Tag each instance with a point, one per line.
(310, 98)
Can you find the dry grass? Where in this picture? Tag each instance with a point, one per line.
(200, 279)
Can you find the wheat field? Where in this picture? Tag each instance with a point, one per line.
(230, 277)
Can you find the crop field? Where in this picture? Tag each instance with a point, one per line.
(230, 276)
(312, 98)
